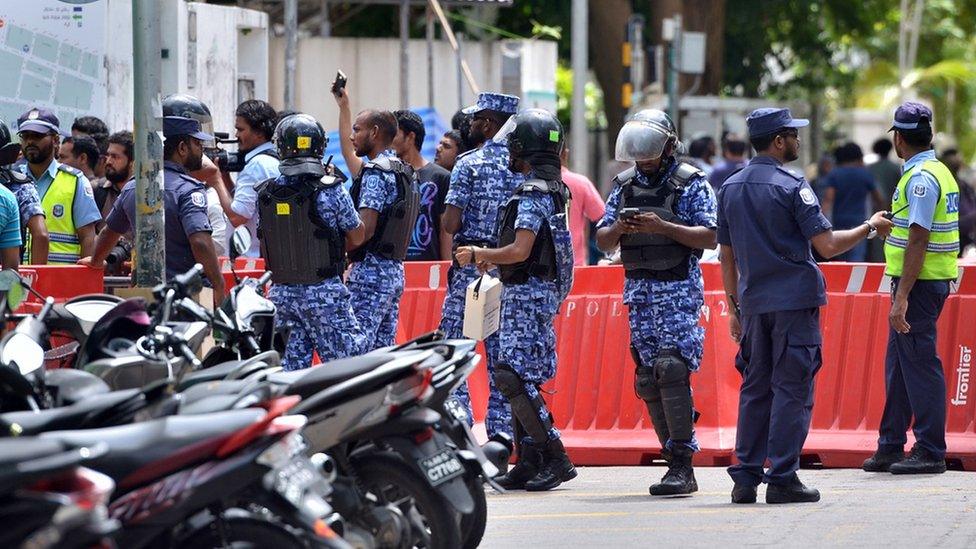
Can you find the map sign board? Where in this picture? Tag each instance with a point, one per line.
(52, 54)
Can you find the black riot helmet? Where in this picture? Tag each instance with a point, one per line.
(534, 131)
(301, 143)
(8, 149)
(187, 106)
(645, 136)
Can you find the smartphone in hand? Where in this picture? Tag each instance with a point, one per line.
(629, 213)
(339, 84)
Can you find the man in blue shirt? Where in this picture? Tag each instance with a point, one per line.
(9, 230)
(60, 187)
(845, 192)
(767, 218)
(255, 125)
(28, 201)
(188, 229)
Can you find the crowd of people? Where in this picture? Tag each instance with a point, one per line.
(498, 198)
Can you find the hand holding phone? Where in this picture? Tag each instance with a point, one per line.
(629, 213)
(339, 84)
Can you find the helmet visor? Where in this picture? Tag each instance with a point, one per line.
(507, 128)
(639, 140)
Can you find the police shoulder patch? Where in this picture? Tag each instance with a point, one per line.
(198, 199)
(919, 190)
(807, 196)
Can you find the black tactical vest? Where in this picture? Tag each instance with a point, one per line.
(542, 261)
(298, 246)
(394, 227)
(655, 256)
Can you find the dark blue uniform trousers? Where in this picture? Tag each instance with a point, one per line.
(915, 384)
(778, 356)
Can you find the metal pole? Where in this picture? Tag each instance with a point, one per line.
(291, 51)
(430, 57)
(579, 62)
(673, 96)
(404, 54)
(325, 23)
(459, 59)
(150, 253)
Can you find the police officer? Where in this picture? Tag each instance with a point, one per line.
(66, 195)
(661, 213)
(921, 261)
(187, 235)
(767, 218)
(535, 264)
(28, 201)
(481, 183)
(385, 192)
(306, 222)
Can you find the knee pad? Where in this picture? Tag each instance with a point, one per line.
(645, 384)
(508, 382)
(671, 370)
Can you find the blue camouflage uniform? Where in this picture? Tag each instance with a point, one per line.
(28, 204)
(664, 314)
(767, 215)
(480, 186)
(527, 337)
(376, 283)
(320, 316)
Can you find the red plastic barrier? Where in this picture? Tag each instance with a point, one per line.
(242, 264)
(62, 282)
(604, 423)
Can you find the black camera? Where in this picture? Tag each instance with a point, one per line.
(227, 161)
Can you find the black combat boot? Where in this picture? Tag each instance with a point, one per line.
(680, 478)
(743, 493)
(793, 491)
(556, 468)
(919, 462)
(526, 468)
(882, 460)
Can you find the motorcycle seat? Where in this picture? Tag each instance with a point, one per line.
(76, 416)
(74, 386)
(226, 370)
(143, 452)
(306, 383)
(14, 451)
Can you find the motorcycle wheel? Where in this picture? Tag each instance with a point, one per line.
(242, 533)
(473, 524)
(432, 519)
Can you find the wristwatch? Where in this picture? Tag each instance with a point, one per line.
(872, 230)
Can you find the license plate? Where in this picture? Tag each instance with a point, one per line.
(299, 479)
(441, 467)
(456, 410)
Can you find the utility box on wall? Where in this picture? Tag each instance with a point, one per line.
(75, 57)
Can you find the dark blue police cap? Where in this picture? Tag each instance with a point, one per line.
(39, 120)
(174, 126)
(766, 121)
(912, 116)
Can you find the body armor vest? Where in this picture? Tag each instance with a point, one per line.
(299, 247)
(646, 255)
(394, 227)
(542, 261)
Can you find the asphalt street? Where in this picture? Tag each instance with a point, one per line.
(610, 507)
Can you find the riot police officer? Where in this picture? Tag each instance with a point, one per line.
(385, 192)
(481, 183)
(661, 213)
(28, 201)
(535, 264)
(306, 222)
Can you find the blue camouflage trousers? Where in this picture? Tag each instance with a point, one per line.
(317, 317)
(376, 286)
(527, 338)
(499, 417)
(664, 315)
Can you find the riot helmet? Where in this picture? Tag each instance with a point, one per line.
(301, 143)
(8, 149)
(645, 136)
(534, 131)
(187, 106)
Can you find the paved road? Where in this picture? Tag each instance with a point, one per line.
(608, 507)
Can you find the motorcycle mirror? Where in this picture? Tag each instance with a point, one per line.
(22, 353)
(241, 240)
(12, 284)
